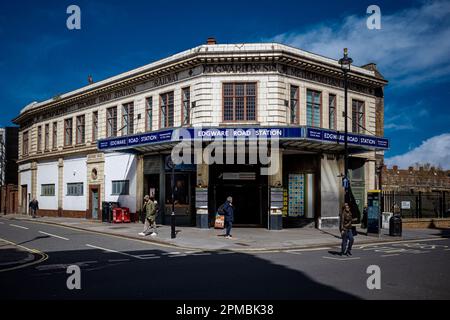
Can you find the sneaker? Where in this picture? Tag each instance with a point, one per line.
(141, 234)
(153, 234)
(349, 253)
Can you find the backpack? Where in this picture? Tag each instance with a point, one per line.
(221, 210)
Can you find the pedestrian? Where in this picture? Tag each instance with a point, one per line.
(150, 216)
(345, 228)
(229, 216)
(34, 207)
(364, 217)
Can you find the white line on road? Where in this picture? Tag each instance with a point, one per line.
(53, 235)
(15, 225)
(342, 259)
(390, 255)
(113, 251)
(2, 223)
(446, 249)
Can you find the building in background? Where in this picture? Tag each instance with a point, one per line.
(8, 169)
(110, 141)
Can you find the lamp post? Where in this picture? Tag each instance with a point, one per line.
(345, 63)
(171, 166)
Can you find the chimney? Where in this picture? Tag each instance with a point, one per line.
(90, 80)
(211, 41)
(395, 168)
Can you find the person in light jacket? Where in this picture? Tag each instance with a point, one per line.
(150, 216)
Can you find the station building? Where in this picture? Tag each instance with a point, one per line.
(110, 141)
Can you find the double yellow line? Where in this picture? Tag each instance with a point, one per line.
(43, 256)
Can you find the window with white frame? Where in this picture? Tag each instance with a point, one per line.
(111, 122)
(186, 96)
(357, 116)
(167, 109)
(148, 113)
(332, 111)
(313, 107)
(128, 118)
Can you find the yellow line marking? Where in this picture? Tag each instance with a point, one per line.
(43, 255)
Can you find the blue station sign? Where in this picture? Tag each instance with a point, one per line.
(354, 139)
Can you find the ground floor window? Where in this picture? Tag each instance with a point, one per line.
(121, 187)
(75, 189)
(48, 190)
(181, 185)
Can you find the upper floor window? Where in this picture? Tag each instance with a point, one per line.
(148, 113)
(128, 118)
(313, 108)
(47, 137)
(55, 135)
(239, 101)
(39, 139)
(121, 187)
(332, 111)
(186, 100)
(111, 122)
(294, 105)
(94, 126)
(81, 129)
(25, 143)
(357, 116)
(68, 132)
(167, 110)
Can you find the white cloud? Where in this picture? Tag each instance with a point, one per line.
(435, 151)
(412, 46)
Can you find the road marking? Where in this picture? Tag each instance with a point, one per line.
(362, 246)
(113, 251)
(389, 255)
(446, 249)
(342, 259)
(118, 260)
(53, 235)
(15, 225)
(201, 254)
(42, 254)
(294, 252)
(2, 222)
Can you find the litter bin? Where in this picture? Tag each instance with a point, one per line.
(117, 215)
(395, 226)
(126, 216)
(107, 210)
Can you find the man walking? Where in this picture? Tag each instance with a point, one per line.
(229, 217)
(150, 216)
(346, 230)
(34, 207)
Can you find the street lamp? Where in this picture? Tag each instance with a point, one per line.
(345, 63)
(171, 166)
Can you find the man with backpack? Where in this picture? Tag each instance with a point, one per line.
(227, 210)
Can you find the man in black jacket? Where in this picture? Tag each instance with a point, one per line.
(34, 207)
(229, 216)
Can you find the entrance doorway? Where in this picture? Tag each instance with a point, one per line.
(94, 202)
(25, 201)
(248, 189)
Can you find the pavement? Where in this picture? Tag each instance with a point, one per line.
(244, 239)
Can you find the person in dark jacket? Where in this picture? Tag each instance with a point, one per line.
(346, 230)
(34, 207)
(229, 216)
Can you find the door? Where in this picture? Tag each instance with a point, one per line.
(25, 199)
(95, 202)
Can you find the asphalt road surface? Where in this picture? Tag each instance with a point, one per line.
(34, 259)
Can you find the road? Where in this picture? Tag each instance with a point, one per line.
(34, 258)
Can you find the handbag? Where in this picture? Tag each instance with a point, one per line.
(220, 222)
(354, 232)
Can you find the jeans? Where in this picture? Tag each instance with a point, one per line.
(149, 224)
(228, 225)
(347, 237)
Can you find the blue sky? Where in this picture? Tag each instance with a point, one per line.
(40, 57)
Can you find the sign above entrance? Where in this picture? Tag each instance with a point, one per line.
(208, 134)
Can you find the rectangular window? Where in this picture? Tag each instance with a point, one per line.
(94, 126)
(81, 129)
(186, 97)
(294, 105)
(149, 114)
(167, 110)
(239, 101)
(358, 116)
(111, 122)
(313, 107)
(55, 135)
(75, 189)
(48, 190)
(121, 188)
(332, 111)
(128, 118)
(68, 132)
(47, 137)
(25, 141)
(39, 139)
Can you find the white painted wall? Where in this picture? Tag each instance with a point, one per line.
(75, 171)
(120, 166)
(47, 173)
